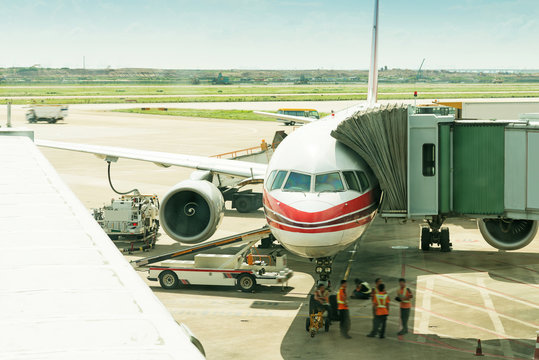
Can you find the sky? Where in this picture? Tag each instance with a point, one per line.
(269, 34)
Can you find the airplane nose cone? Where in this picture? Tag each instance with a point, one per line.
(313, 245)
(311, 205)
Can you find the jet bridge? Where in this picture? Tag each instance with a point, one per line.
(431, 166)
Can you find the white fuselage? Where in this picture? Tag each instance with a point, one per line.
(323, 218)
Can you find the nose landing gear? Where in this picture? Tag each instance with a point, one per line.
(323, 268)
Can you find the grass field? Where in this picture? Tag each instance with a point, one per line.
(171, 90)
(166, 94)
(239, 98)
(204, 113)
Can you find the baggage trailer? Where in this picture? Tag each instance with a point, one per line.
(246, 269)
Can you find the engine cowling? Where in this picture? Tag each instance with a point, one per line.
(507, 234)
(191, 211)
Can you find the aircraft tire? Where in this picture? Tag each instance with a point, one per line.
(243, 205)
(426, 238)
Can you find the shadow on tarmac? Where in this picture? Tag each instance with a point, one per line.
(258, 214)
(265, 296)
(460, 297)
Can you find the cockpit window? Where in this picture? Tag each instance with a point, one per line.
(328, 182)
(351, 181)
(298, 182)
(279, 178)
(363, 181)
(271, 177)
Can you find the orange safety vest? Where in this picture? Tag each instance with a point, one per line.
(405, 304)
(381, 300)
(341, 300)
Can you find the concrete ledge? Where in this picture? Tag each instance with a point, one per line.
(17, 132)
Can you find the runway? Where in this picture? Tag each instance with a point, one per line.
(474, 292)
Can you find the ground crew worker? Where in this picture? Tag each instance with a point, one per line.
(381, 305)
(404, 295)
(377, 283)
(322, 298)
(362, 291)
(344, 314)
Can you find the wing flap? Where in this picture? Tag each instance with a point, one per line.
(298, 119)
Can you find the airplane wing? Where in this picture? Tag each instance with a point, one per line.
(298, 119)
(243, 169)
(66, 291)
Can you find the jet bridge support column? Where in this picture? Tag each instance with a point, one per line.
(429, 178)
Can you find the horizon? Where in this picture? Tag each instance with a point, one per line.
(493, 70)
(272, 35)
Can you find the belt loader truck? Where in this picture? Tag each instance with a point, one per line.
(246, 269)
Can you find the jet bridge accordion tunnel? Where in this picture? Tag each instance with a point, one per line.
(431, 166)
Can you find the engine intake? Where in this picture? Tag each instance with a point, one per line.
(191, 211)
(507, 234)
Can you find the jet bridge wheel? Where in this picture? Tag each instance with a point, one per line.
(445, 244)
(246, 282)
(426, 238)
(169, 280)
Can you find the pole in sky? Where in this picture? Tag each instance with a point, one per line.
(372, 91)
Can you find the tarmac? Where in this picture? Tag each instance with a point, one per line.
(474, 292)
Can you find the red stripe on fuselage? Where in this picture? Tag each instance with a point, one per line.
(337, 221)
(345, 208)
(319, 230)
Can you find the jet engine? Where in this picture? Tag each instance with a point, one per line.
(507, 234)
(191, 211)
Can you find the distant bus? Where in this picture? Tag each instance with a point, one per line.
(310, 113)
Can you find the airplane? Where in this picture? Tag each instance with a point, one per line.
(319, 196)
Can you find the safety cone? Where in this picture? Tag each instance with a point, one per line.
(478, 350)
(536, 356)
